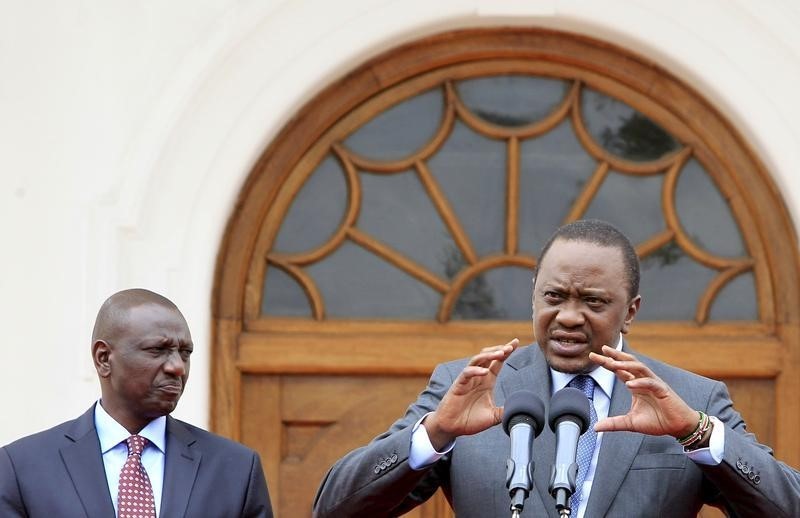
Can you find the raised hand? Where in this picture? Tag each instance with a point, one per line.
(655, 408)
(468, 406)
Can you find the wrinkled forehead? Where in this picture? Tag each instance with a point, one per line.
(576, 260)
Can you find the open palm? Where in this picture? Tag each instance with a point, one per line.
(655, 408)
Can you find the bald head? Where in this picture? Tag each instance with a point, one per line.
(141, 346)
(115, 310)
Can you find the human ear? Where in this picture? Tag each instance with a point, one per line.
(633, 308)
(101, 354)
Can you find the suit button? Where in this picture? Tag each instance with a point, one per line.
(739, 464)
(383, 464)
(751, 475)
(394, 458)
(756, 479)
(376, 470)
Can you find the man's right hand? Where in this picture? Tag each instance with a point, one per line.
(468, 407)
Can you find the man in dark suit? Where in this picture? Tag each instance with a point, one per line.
(93, 466)
(667, 441)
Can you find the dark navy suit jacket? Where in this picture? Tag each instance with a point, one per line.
(59, 473)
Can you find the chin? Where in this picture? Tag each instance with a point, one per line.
(570, 365)
(167, 407)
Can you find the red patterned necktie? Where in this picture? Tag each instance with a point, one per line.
(135, 492)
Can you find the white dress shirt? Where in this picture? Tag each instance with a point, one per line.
(112, 437)
(423, 454)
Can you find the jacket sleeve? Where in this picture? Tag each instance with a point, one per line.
(257, 503)
(11, 505)
(376, 479)
(750, 481)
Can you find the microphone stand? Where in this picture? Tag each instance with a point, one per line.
(524, 486)
(562, 486)
(518, 500)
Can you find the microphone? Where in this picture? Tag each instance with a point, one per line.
(523, 420)
(569, 418)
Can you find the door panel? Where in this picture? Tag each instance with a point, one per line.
(321, 418)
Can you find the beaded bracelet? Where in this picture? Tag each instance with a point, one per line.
(697, 435)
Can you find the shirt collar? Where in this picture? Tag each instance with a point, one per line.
(111, 433)
(603, 377)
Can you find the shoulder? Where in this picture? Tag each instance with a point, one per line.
(523, 356)
(667, 371)
(33, 453)
(51, 436)
(208, 441)
(692, 387)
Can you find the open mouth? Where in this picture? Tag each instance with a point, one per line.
(568, 346)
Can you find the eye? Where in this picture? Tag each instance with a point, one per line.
(552, 297)
(594, 302)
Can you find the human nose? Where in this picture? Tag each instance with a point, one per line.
(175, 364)
(570, 314)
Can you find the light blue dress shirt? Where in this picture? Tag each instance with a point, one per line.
(112, 437)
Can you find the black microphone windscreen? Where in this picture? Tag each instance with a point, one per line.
(523, 403)
(569, 402)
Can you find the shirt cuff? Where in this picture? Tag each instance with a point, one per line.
(712, 455)
(422, 452)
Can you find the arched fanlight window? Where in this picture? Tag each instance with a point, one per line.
(443, 200)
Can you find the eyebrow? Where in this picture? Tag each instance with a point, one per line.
(582, 291)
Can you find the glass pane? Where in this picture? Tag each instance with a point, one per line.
(401, 130)
(357, 284)
(553, 170)
(630, 203)
(704, 213)
(471, 170)
(283, 296)
(623, 131)
(499, 294)
(317, 210)
(672, 284)
(512, 100)
(737, 300)
(396, 210)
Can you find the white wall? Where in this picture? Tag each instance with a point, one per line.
(127, 128)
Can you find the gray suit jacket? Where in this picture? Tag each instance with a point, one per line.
(636, 475)
(60, 473)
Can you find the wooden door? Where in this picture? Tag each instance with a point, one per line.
(395, 222)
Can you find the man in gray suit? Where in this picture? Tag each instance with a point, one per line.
(667, 440)
(141, 349)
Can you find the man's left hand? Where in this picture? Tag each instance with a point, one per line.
(655, 408)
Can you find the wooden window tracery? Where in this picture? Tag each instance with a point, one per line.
(466, 264)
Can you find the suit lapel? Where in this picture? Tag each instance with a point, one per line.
(84, 463)
(530, 372)
(617, 452)
(180, 469)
